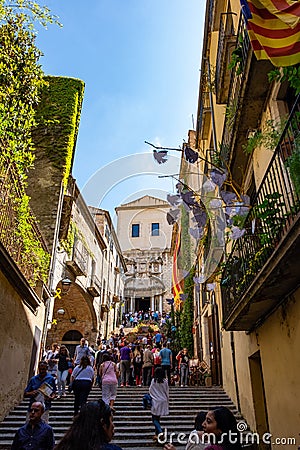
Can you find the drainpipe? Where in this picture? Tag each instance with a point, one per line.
(52, 270)
(232, 343)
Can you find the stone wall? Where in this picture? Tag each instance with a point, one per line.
(20, 327)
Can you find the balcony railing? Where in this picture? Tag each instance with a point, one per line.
(226, 44)
(235, 88)
(78, 262)
(267, 253)
(19, 233)
(204, 115)
(94, 287)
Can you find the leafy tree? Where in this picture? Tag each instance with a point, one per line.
(21, 78)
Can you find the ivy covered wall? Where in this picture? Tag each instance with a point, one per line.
(54, 137)
(57, 117)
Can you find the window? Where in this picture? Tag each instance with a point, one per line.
(155, 229)
(135, 230)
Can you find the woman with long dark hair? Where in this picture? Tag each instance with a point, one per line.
(82, 381)
(221, 423)
(159, 391)
(109, 376)
(220, 432)
(64, 359)
(92, 429)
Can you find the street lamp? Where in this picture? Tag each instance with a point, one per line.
(65, 283)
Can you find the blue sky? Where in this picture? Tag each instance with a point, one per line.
(140, 62)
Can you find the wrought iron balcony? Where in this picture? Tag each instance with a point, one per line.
(237, 78)
(94, 287)
(226, 44)
(204, 115)
(263, 267)
(19, 233)
(78, 262)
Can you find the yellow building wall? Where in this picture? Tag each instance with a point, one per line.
(278, 342)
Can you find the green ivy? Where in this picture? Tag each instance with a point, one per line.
(57, 118)
(21, 79)
(68, 244)
(289, 73)
(187, 314)
(293, 163)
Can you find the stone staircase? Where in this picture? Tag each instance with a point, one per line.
(133, 425)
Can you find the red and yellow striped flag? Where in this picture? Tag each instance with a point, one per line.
(274, 29)
(176, 278)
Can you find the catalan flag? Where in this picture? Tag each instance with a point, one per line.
(176, 278)
(274, 29)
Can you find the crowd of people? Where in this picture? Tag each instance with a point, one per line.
(131, 319)
(148, 361)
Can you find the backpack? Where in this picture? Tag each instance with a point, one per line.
(138, 359)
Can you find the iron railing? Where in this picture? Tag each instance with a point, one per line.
(203, 107)
(95, 282)
(235, 89)
(80, 257)
(14, 229)
(226, 32)
(275, 209)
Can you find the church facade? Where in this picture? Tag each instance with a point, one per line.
(145, 240)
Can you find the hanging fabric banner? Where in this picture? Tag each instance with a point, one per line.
(176, 278)
(274, 30)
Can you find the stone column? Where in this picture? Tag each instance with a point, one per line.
(152, 303)
(160, 303)
(132, 305)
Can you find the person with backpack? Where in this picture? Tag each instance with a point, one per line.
(159, 391)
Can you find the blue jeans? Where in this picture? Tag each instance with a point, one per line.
(61, 381)
(156, 423)
(125, 371)
(184, 372)
(81, 392)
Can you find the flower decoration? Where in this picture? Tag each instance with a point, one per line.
(190, 155)
(174, 200)
(161, 157)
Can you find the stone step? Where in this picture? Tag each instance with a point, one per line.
(133, 424)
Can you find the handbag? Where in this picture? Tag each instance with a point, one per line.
(71, 384)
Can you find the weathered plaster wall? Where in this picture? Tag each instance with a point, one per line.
(278, 342)
(16, 335)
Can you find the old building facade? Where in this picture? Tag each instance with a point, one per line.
(145, 240)
(248, 323)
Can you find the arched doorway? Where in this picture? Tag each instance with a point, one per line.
(70, 339)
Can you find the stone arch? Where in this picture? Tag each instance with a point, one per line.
(78, 314)
(70, 339)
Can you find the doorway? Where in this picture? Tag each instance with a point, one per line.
(259, 398)
(214, 345)
(142, 304)
(71, 339)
